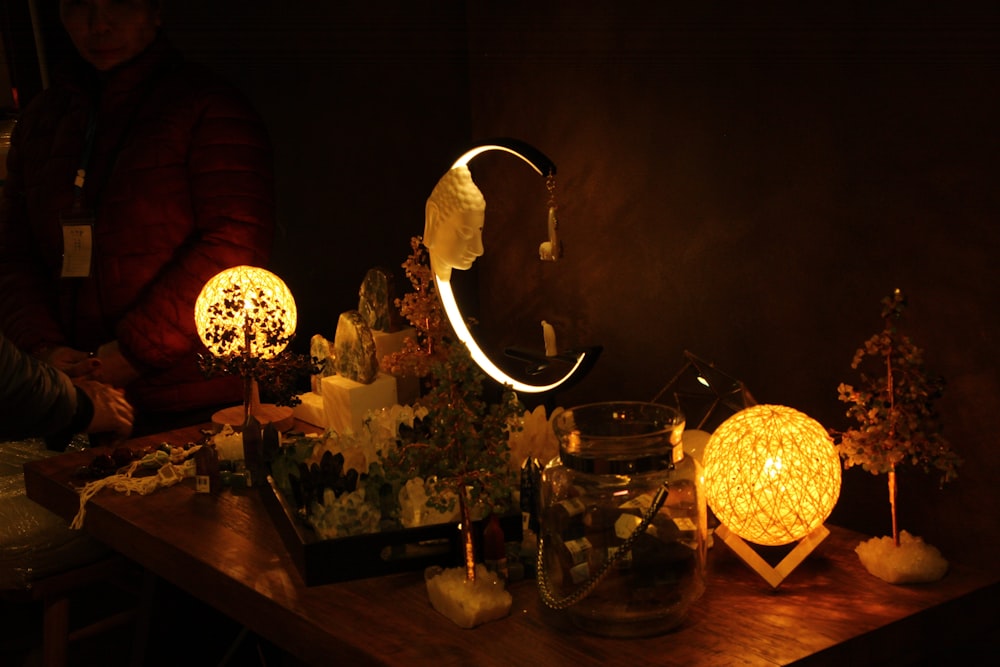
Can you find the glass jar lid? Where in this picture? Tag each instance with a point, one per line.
(619, 438)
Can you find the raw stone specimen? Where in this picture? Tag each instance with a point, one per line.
(354, 349)
(377, 302)
(312, 480)
(321, 350)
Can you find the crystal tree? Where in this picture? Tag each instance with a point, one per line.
(463, 441)
(422, 309)
(894, 406)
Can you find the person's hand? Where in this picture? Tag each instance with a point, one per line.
(113, 414)
(114, 368)
(74, 363)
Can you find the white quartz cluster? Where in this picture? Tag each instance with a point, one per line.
(535, 439)
(414, 510)
(913, 561)
(229, 444)
(347, 515)
(468, 603)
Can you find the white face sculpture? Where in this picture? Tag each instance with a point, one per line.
(453, 224)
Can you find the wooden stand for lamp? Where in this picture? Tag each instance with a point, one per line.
(773, 575)
(265, 413)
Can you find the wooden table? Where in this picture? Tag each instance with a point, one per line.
(225, 550)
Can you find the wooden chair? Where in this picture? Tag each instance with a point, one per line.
(60, 591)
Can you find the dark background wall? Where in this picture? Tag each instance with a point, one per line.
(366, 102)
(743, 183)
(748, 185)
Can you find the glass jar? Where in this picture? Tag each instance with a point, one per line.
(623, 520)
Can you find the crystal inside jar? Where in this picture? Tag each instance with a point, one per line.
(623, 520)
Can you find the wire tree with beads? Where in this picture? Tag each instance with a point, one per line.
(463, 440)
(894, 407)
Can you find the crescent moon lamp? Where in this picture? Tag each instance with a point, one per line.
(578, 361)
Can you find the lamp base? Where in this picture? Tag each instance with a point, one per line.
(266, 413)
(773, 575)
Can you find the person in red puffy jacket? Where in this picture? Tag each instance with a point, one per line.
(132, 180)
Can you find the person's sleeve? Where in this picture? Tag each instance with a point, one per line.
(37, 399)
(82, 417)
(231, 185)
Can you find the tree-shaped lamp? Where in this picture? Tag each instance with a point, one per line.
(245, 317)
(772, 477)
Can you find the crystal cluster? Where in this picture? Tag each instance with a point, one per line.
(468, 603)
(913, 561)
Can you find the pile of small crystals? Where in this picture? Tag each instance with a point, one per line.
(467, 602)
(913, 561)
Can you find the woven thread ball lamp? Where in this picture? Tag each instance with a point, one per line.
(246, 313)
(772, 477)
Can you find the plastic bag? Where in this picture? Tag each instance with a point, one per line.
(34, 542)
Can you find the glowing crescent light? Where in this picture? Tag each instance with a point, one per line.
(462, 331)
(510, 146)
(543, 166)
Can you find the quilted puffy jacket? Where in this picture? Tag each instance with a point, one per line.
(180, 177)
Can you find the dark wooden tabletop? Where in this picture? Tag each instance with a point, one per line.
(225, 550)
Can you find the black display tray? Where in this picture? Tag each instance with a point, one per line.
(322, 561)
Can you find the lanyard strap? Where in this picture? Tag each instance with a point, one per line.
(91, 132)
(88, 150)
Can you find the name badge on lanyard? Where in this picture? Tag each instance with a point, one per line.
(78, 243)
(78, 223)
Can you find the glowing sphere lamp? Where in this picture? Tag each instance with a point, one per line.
(246, 316)
(772, 477)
